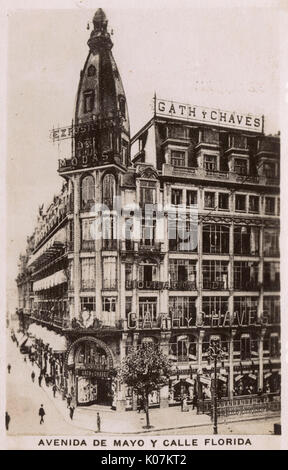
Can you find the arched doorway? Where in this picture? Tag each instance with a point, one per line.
(89, 364)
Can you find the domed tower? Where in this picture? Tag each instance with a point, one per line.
(101, 129)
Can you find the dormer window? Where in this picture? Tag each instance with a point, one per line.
(88, 101)
(210, 162)
(240, 166)
(91, 71)
(177, 158)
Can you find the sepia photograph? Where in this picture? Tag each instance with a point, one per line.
(142, 226)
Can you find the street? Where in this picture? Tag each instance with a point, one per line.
(24, 399)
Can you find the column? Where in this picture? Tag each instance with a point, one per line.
(231, 364)
(121, 388)
(134, 291)
(260, 275)
(77, 244)
(260, 352)
(98, 248)
(164, 391)
(122, 293)
(199, 352)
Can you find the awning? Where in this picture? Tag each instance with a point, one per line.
(205, 380)
(50, 248)
(50, 281)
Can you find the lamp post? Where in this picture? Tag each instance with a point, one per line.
(215, 352)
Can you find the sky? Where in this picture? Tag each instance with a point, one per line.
(224, 57)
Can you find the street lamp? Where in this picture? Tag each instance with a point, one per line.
(215, 352)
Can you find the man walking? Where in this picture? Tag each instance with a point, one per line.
(41, 414)
(33, 376)
(54, 388)
(71, 411)
(7, 420)
(9, 368)
(69, 399)
(98, 422)
(40, 380)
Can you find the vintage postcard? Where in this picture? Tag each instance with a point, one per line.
(143, 148)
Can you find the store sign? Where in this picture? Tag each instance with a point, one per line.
(100, 374)
(203, 115)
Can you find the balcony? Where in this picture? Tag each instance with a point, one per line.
(247, 285)
(150, 246)
(215, 285)
(182, 285)
(109, 245)
(88, 245)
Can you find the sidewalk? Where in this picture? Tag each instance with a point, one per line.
(130, 422)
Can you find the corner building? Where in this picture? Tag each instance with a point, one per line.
(166, 278)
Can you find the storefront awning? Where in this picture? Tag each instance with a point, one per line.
(50, 281)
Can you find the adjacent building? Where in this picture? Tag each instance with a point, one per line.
(170, 237)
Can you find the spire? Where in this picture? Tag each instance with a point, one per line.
(99, 36)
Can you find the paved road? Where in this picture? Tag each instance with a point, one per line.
(24, 399)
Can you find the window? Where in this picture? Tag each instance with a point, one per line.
(191, 198)
(210, 162)
(237, 141)
(240, 202)
(240, 166)
(245, 310)
(246, 240)
(254, 204)
(128, 305)
(181, 349)
(274, 345)
(87, 193)
(182, 311)
(271, 242)
(87, 234)
(109, 304)
(215, 238)
(182, 274)
(108, 190)
(128, 275)
(176, 196)
(209, 200)
(214, 310)
(182, 234)
(148, 312)
(245, 275)
(87, 273)
(88, 101)
(88, 303)
(177, 132)
(271, 276)
(210, 137)
(178, 158)
(271, 309)
(215, 274)
(223, 201)
(245, 347)
(270, 205)
(147, 192)
(122, 106)
(109, 273)
(109, 229)
(91, 71)
(148, 230)
(269, 169)
(124, 153)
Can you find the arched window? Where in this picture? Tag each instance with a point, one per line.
(122, 106)
(87, 193)
(108, 190)
(91, 71)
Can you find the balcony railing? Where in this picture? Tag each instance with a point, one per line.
(109, 245)
(214, 285)
(88, 245)
(147, 285)
(152, 246)
(247, 285)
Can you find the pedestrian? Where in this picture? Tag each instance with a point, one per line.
(140, 404)
(54, 388)
(41, 414)
(9, 368)
(32, 360)
(194, 401)
(98, 422)
(40, 380)
(71, 411)
(69, 399)
(46, 380)
(7, 420)
(33, 376)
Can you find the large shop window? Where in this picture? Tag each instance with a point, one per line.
(182, 234)
(87, 193)
(108, 189)
(271, 276)
(87, 273)
(245, 310)
(215, 274)
(109, 273)
(215, 239)
(214, 310)
(271, 242)
(245, 275)
(271, 309)
(246, 240)
(182, 311)
(148, 312)
(182, 274)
